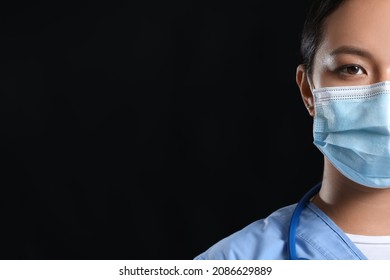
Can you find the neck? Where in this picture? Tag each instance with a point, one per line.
(356, 209)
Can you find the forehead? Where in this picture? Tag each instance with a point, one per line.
(360, 23)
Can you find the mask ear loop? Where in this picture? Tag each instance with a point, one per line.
(312, 87)
(292, 230)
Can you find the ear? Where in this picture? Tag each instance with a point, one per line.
(302, 80)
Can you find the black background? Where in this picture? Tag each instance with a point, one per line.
(147, 129)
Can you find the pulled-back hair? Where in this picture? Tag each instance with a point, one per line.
(313, 29)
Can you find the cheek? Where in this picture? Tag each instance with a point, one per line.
(321, 77)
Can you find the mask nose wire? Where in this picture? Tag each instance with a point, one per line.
(291, 242)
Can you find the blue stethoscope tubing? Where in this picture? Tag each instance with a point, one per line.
(291, 243)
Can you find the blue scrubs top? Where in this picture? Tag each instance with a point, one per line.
(317, 238)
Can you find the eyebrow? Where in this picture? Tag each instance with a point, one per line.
(350, 50)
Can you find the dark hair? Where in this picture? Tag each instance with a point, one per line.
(313, 29)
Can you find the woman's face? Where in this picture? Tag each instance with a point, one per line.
(356, 45)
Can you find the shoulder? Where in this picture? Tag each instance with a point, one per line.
(253, 241)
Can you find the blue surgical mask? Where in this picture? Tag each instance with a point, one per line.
(352, 129)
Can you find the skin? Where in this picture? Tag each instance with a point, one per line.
(354, 51)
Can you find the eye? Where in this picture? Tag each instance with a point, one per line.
(351, 70)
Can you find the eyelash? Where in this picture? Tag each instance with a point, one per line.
(344, 69)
